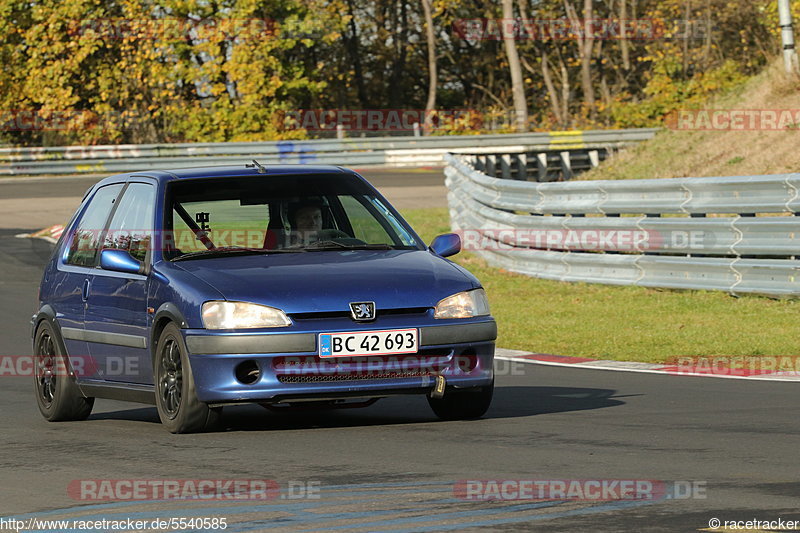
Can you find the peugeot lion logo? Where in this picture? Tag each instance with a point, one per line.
(362, 311)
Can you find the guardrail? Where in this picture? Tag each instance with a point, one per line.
(736, 234)
(388, 151)
(541, 165)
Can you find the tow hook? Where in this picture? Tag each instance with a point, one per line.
(438, 388)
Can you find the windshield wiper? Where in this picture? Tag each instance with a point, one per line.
(221, 252)
(333, 245)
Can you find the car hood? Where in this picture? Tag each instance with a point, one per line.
(328, 281)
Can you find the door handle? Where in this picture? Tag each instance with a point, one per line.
(86, 283)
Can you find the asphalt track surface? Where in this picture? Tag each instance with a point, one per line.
(393, 466)
(36, 202)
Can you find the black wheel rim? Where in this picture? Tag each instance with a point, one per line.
(46, 369)
(171, 381)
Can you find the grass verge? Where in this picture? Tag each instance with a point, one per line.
(720, 152)
(622, 323)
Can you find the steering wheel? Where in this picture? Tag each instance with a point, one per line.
(331, 234)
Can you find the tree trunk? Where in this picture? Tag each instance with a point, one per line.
(565, 92)
(586, 59)
(551, 90)
(400, 38)
(517, 87)
(355, 56)
(432, 80)
(623, 43)
(686, 17)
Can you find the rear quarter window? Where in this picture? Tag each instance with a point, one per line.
(83, 245)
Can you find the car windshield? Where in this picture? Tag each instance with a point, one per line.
(265, 214)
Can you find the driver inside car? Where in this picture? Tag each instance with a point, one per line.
(307, 225)
(308, 219)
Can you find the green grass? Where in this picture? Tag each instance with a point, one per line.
(717, 152)
(622, 323)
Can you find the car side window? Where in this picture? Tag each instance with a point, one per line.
(85, 241)
(131, 227)
(365, 226)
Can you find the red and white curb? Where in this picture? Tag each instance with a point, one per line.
(51, 234)
(648, 368)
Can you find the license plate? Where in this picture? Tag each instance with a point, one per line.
(353, 343)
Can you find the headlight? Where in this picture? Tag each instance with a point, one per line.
(240, 315)
(463, 305)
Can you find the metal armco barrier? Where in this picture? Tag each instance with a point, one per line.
(737, 234)
(388, 151)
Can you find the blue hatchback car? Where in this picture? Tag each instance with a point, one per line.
(283, 286)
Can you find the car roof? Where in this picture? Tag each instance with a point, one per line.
(225, 171)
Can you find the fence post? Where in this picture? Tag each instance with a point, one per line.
(541, 159)
(521, 166)
(566, 166)
(505, 166)
(491, 166)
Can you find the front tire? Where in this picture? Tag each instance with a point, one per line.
(464, 404)
(57, 395)
(176, 397)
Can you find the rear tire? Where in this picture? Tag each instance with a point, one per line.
(58, 396)
(463, 404)
(176, 397)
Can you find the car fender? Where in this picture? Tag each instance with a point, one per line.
(167, 310)
(47, 313)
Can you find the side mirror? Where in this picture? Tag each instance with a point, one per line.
(447, 244)
(120, 261)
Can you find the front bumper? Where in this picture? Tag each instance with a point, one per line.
(289, 369)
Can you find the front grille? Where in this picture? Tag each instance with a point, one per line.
(426, 356)
(322, 378)
(405, 311)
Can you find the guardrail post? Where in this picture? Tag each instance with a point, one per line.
(594, 158)
(340, 131)
(491, 165)
(566, 166)
(541, 159)
(505, 166)
(520, 164)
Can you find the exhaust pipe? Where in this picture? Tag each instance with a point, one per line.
(438, 388)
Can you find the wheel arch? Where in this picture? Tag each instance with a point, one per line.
(48, 314)
(166, 314)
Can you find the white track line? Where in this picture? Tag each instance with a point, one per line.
(630, 366)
